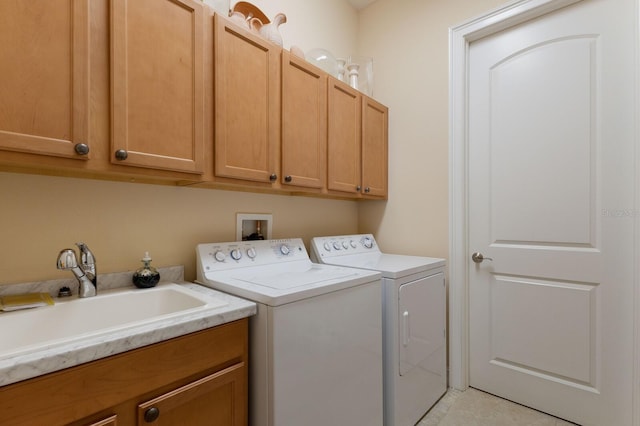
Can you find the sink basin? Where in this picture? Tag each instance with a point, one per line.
(112, 310)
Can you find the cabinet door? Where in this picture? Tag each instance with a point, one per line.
(109, 421)
(422, 323)
(304, 123)
(44, 84)
(218, 399)
(158, 80)
(375, 118)
(344, 131)
(247, 104)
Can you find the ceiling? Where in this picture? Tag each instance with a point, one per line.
(360, 4)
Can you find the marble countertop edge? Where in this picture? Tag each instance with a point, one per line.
(59, 356)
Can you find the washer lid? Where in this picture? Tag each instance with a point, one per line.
(390, 265)
(276, 285)
(290, 280)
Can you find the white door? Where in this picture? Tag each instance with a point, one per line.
(551, 193)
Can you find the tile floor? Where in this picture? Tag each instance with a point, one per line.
(476, 408)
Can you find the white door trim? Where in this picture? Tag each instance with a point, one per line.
(460, 38)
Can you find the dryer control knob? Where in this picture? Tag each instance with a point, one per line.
(284, 249)
(345, 244)
(236, 254)
(336, 245)
(353, 244)
(220, 256)
(327, 246)
(251, 252)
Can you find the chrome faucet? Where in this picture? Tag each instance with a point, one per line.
(85, 272)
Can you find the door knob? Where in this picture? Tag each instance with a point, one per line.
(478, 257)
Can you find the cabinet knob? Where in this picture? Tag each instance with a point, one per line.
(358, 188)
(273, 177)
(121, 154)
(151, 415)
(82, 148)
(367, 190)
(287, 178)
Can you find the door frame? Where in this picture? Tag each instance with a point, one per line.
(460, 38)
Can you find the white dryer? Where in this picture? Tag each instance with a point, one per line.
(316, 341)
(414, 322)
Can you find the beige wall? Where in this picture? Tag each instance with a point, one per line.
(41, 215)
(408, 40)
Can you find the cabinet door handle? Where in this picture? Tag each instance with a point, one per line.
(273, 177)
(151, 415)
(81, 148)
(367, 190)
(358, 188)
(121, 154)
(287, 178)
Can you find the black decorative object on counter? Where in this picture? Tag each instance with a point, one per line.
(147, 276)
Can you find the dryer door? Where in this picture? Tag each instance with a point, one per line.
(422, 311)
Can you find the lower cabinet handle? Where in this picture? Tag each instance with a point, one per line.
(151, 415)
(121, 154)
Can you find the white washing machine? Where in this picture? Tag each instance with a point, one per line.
(414, 322)
(316, 341)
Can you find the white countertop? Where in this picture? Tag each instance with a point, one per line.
(57, 357)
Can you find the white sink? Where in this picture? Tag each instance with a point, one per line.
(112, 310)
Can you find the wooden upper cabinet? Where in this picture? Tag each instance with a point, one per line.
(157, 77)
(344, 134)
(304, 123)
(44, 77)
(247, 104)
(375, 119)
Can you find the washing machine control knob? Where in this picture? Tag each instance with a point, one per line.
(367, 242)
(327, 246)
(251, 252)
(353, 244)
(345, 244)
(219, 256)
(336, 245)
(236, 254)
(284, 249)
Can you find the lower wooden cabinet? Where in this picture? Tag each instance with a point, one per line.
(197, 379)
(211, 400)
(109, 421)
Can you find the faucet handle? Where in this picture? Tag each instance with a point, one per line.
(67, 259)
(87, 259)
(86, 256)
(88, 262)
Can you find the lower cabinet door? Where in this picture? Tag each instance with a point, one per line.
(217, 399)
(109, 421)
